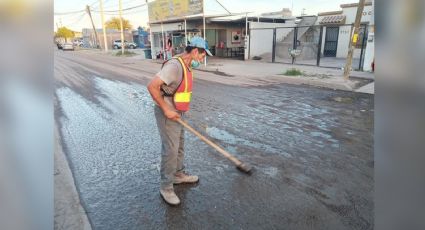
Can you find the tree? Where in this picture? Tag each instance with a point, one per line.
(64, 32)
(114, 23)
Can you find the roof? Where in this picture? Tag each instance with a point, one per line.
(329, 13)
(367, 3)
(239, 17)
(335, 19)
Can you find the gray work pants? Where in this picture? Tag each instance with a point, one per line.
(172, 148)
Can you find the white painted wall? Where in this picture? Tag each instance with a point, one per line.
(345, 31)
(344, 41)
(261, 40)
(167, 27)
(370, 47)
(350, 14)
(323, 40)
(263, 25)
(370, 51)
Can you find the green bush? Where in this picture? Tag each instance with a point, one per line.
(293, 72)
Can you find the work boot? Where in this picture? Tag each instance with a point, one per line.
(182, 177)
(170, 196)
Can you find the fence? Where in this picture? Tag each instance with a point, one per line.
(325, 46)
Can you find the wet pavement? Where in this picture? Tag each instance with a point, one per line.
(312, 150)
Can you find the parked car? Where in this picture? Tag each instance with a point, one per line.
(68, 46)
(59, 45)
(78, 43)
(130, 45)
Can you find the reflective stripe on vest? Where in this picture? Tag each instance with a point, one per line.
(183, 94)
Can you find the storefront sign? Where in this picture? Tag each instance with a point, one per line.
(236, 37)
(163, 10)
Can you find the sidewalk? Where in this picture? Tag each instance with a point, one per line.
(369, 88)
(255, 73)
(273, 73)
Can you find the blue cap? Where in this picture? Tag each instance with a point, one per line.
(200, 43)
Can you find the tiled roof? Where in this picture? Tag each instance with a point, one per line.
(330, 13)
(367, 3)
(335, 19)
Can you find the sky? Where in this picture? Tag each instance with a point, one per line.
(139, 16)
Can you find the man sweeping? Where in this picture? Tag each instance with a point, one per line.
(171, 89)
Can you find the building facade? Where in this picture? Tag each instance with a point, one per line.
(338, 31)
(89, 37)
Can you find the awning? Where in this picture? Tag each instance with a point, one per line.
(335, 19)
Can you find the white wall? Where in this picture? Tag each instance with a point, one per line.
(229, 38)
(229, 30)
(323, 39)
(282, 33)
(263, 25)
(343, 41)
(167, 27)
(370, 47)
(350, 14)
(345, 31)
(262, 40)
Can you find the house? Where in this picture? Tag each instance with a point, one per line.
(338, 29)
(173, 24)
(321, 40)
(224, 34)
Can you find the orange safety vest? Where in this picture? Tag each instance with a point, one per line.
(183, 94)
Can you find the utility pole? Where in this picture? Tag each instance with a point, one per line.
(205, 36)
(354, 39)
(92, 23)
(122, 29)
(103, 25)
(150, 33)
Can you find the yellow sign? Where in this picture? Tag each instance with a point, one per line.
(164, 10)
(355, 37)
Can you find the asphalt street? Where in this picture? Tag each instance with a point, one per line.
(312, 150)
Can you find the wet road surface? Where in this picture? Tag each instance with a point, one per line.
(312, 150)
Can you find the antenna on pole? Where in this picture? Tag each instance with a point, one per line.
(222, 6)
(292, 7)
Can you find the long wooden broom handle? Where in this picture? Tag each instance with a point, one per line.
(212, 144)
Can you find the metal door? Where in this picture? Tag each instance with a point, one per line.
(331, 41)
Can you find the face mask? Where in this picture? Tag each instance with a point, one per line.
(195, 64)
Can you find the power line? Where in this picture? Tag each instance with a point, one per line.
(127, 12)
(71, 12)
(76, 21)
(126, 9)
(114, 4)
(79, 14)
(77, 11)
(69, 18)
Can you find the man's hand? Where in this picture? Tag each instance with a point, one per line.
(154, 88)
(171, 114)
